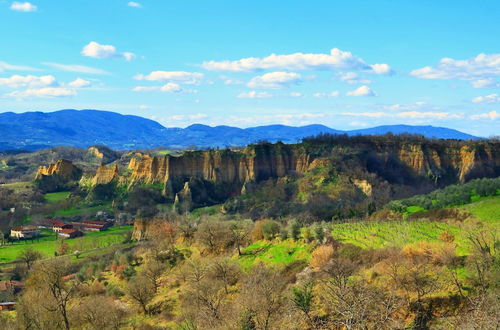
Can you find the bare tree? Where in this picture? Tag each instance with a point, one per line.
(262, 298)
(225, 270)
(153, 271)
(141, 291)
(99, 312)
(47, 290)
(29, 256)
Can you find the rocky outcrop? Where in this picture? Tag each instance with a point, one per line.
(106, 174)
(95, 152)
(230, 168)
(233, 172)
(464, 161)
(62, 168)
(57, 176)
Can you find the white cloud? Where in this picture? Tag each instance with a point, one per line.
(361, 91)
(488, 99)
(232, 82)
(274, 80)
(184, 77)
(428, 114)
(168, 88)
(480, 70)
(331, 94)
(4, 66)
(196, 116)
(144, 107)
(295, 94)
(47, 92)
(23, 6)
(17, 81)
(79, 83)
(96, 50)
(335, 60)
(75, 68)
(366, 114)
(146, 88)
(405, 115)
(492, 115)
(352, 78)
(485, 83)
(254, 95)
(134, 4)
(405, 107)
(171, 88)
(284, 119)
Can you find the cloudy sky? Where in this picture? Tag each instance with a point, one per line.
(345, 64)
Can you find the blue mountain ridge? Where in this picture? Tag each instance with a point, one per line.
(83, 128)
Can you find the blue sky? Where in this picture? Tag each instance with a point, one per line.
(345, 64)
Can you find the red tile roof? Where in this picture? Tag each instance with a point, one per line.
(24, 228)
(67, 231)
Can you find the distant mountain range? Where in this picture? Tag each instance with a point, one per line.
(83, 128)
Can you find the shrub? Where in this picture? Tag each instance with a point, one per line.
(270, 229)
(320, 256)
(447, 237)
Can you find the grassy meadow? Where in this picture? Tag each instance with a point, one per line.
(48, 243)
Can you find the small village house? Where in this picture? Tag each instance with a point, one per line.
(24, 232)
(7, 306)
(69, 233)
(58, 227)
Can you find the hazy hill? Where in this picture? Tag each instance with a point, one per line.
(38, 130)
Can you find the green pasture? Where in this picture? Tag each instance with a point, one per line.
(274, 253)
(48, 243)
(83, 210)
(56, 197)
(486, 210)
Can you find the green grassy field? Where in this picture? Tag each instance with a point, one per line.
(83, 210)
(486, 210)
(56, 197)
(398, 233)
(376, 235)
(48, 244)
(274, 253)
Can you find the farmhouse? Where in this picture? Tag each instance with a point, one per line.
(50, 223)
(24, 232)
(7, 306)
(91, 225)
(69, 233)
(57, 228)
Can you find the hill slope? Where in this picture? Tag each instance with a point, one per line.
(38, 130)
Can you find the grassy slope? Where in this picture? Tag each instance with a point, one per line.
(82, 210)
(486, 210)
(48, 244)
(56, 197)
(398, 233)
(274, 253)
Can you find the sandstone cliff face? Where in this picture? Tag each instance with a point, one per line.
(64, 169)
(456, 161)
(105, 174)
(57, 176)
(468, 161)
(254, 163)
(95, 152)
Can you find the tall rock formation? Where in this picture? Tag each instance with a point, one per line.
(57, 176)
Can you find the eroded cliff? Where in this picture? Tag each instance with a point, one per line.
(57, 175)
(215, 175)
